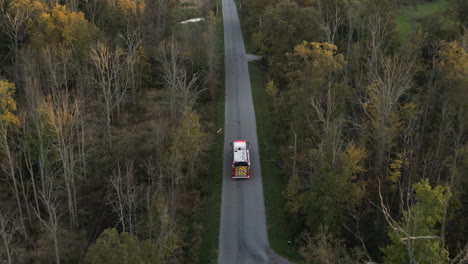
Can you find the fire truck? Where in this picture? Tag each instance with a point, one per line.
(240, 159)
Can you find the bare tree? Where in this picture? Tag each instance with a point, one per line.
(9, 225)
(93, 7)
(124, 196)
(331, 18)
(182, 86)
(378, 26)
(52, 206)
(110, 78)
(186, 90)
(133, 38)
(170, 58)
(63, 116)
(10, 167)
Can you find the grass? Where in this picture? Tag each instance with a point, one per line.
(212, 200)
(406, 17)
(245, 32)
(278, 226)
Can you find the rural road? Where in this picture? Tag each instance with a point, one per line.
(243, 236)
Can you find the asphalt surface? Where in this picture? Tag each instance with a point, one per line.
(243, 234)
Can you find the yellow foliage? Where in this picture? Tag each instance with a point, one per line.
(395, 168)
(356, 155)
(453, 61)
(189, 139)
(314, 62)
(59, 26)
(131, 7)
(271, 89)
(8, 103)
(212, 18)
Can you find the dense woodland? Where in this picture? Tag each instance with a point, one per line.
(372, 126)
(105, 112)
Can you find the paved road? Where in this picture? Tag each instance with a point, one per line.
(243, 236)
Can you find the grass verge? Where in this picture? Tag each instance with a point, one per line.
(212, 200)
(278, 226)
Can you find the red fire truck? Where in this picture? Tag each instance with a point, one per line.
(240, 159)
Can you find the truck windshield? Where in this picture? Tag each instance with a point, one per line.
(241, 164)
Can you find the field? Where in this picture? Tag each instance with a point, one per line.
(407, 18)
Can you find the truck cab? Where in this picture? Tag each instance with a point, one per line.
(240, 159)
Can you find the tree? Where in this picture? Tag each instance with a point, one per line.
(170, 58)
(111, 79)
(51, 223)
(312, 69)
(16, 23)
(284, 26)
(9, 226)
(187, 142)
(331, 17)
(9, 122)
(415, 237)
(124, 196)
(112, 247)
(62, 27)
(388, 83)
(63, 119)
(453, 63)
(133, 39)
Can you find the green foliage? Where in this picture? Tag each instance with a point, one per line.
(418, 230)
(285, 25)
(334, 188)
(314, 84)
(408, 17)
(189, 138)
(271, 89)
(112, 247)
(311, 64)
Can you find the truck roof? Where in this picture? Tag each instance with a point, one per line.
(240, 151)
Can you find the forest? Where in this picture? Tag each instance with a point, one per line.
(108, 114)
(105, 117)
(369, 100)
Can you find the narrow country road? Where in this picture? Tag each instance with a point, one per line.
(243, 236)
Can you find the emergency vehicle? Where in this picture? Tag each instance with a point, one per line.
(240, 159)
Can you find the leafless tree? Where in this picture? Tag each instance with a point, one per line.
(186, 90)
(9, 225)
(110, 78)
(93, 7)
(63, 116)
(170, 58)
(51, 223)
(331, 18)
(378, 26)
(133, 39)
(9, 166)
(58, 68)
(124, 196)
(183, 87)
